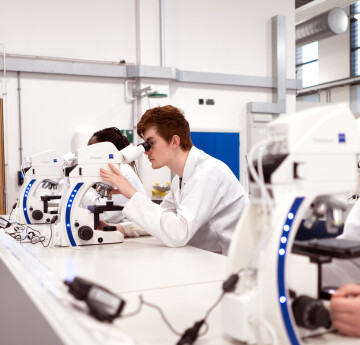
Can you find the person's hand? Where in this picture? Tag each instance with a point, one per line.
(119, 227)
(115, 177)
(345, 310)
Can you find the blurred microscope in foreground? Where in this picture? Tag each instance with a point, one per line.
(304, 172)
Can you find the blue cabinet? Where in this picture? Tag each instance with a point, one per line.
(223, 146)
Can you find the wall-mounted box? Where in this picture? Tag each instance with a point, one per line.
(221, 145)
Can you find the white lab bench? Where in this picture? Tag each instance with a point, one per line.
(36, 308)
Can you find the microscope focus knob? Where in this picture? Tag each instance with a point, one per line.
(310, 313)
(37, 215)
(85, 233)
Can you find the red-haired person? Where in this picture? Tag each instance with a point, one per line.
(206, 200)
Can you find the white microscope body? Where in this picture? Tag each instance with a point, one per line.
(40, 194)
(78, 223)
(309, 155)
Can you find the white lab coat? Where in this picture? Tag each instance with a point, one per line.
(340, 272)
(93, 198)
(203, 213)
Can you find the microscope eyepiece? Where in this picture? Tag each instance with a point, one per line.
(146, 145)
(131, 152)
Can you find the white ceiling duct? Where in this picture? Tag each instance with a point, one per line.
(316, 7)
(327, 24)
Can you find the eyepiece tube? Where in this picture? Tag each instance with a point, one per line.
(131, 152)
(146, 145)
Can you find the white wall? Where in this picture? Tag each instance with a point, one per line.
(228, 36)
(334, 57)
(54, 107)
(334, 64)
(225, 36)
(83, 29)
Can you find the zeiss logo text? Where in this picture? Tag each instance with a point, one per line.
(342, 138)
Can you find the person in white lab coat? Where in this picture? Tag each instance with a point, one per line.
(114, 135)
(206, 200)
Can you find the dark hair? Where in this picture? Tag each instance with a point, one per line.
(169, 121)
(113, 135)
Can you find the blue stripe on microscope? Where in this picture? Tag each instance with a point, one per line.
(68, 213)
(26, 194)
(281, 272)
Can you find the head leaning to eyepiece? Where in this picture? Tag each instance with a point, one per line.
(168, 121)
(168, 133)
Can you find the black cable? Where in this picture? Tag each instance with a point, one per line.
(151, 305)
(354, 197)
(33, 236)
(137, 311)
(214, 305)
(40, 238)
(51, 232)
(12, 209)
(192, 333)
(162, 315)
(16, 235)
(18, 230)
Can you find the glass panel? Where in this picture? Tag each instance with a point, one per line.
(310, 52)
(354, 34)
(310, 74)
(355, 38)
(355, 8)
(307, 64)
(355, 63)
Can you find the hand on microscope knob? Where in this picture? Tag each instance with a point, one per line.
(119, 180)
(345, 310)
(119, 227)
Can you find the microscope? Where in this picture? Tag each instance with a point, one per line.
(78, 221)
(40, 194)
(303, 172)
